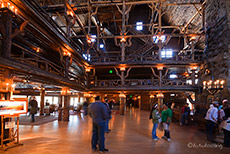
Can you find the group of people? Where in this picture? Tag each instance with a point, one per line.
(163, 120)
(218, 115)
(101, 113)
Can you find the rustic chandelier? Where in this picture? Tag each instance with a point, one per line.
(213, 86)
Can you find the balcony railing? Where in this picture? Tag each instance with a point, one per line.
(177, 58)
(143, 83)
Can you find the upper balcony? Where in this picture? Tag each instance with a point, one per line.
(174, 58)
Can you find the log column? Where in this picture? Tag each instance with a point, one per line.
(7, 39)
(122, 103)
(145, 102)
(42, 96)
(66, 108)
(60, 100)
(160, 101)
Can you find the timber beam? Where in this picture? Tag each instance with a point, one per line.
(44, 76)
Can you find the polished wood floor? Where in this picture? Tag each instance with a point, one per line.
(131, 134)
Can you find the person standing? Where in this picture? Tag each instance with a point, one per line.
(107, 130)
(211, 120)
(166, 116)
(34, 108)
(155, 116)
(98, 112)
(226, 125)
(185, 111)
(85, 107)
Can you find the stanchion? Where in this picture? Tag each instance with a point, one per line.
(13, 139)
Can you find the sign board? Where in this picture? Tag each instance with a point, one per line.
(9, 124)
(13, 107)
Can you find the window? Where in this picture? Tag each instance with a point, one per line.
(101, 46)
(86, 57)
(189, 82)
(139, 26)
(173, 76)
(156, 38)
(168, 53)
(93, 38)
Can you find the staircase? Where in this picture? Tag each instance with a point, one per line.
(147, 40)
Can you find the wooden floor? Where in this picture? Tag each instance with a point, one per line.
(131, 134)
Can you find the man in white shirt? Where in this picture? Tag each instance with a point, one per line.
(211, 120)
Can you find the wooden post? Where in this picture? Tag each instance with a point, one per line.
(17, 129)
(145, 105)
(122, 78)
(66, 66)
(160, 78)
(65, 116)
(60, 108)
(122, 105)
(160, 102)
(42, 95)
(7, 40)
(2, 130)
(193, 78)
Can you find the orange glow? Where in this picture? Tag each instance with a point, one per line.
(87, 69)
(38, 50)
(151, 96)
(122, 95)
(160, 67)
(86, 95)
(69, 13)
(160, 95)
(193, 68)
(122, 69)
(123, 40)
(66, 53)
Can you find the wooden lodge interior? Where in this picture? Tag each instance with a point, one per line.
(136, 52)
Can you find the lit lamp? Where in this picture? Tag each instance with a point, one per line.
(122, 69)
(160, 95)
(151, 96)
(160, 67)
(86, 95)
(87, 69)
(213, 86)
(122, 95)
(66, 53)
(123, 40)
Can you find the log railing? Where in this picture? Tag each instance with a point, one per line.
(142, 82)
(146, 58)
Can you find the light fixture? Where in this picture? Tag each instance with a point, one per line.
(66, 53)
(86, 95)
(123, 40)
(122, 95)
(87, 69)
(193, 68)
(160, 95)
(152, 96)
(213, 86)
(69, 13)
(38, 49)
(122, 69)
(160, 67)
